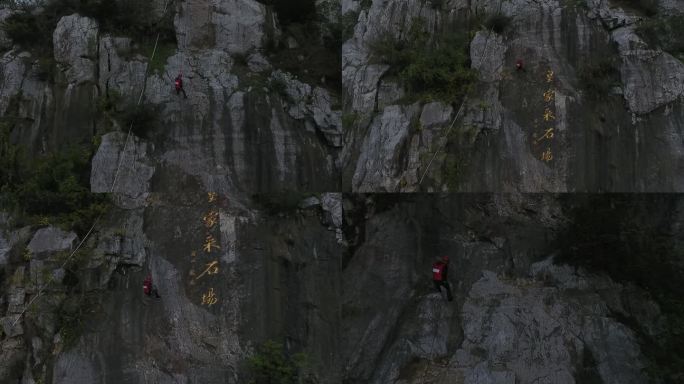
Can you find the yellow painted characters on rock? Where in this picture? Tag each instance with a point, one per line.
(210, 219)
(209, 244)
(209, 298)
(211, 269)
(548, 115)
(549, 95)
(549, 76)
(212, 196)
(548, 135)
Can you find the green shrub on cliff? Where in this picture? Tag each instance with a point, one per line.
(647, 7)
(271, 365)
(664, 33)
(33, 30)
(430, 68)
(58, 186)
(53, 188)
(599, 76)
(497, 22)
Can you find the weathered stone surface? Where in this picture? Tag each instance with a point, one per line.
(123, 165)
(51, 239)
(389, 92)
(12, 357)
(75, 46)
(332, 205)
(71, 367)
(117, 74)
(10, 327)
(311, 201)
(13, 72)
(487, 52)
(16, 297)
(5, 41)
(435, 113)
(4, 249)
(125, 242)
(377, 167)
(555, 331)
(258, 63)
(239, 25)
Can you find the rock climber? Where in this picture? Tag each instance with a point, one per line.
(179, 85)
(440, 271)
(519, 65)
(148, 288)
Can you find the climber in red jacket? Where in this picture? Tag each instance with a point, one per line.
(148, 288)
(440, 270)
(519, 65)
(179, 85)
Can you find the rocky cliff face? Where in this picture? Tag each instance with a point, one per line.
(237, 128)
(243, 203)
(625, 139)
(346, 280)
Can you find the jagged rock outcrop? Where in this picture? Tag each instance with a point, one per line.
(51, 239)
(115, 72)
(75, 44)
(556, 327)
(125, 166)
(236, 26)
(5, 41)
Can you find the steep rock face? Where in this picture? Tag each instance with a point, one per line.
(236, 26)
(235, 127)
(123, 164)
(625, 140)
(273, 280)
(5, 41)
(115, 72)
(365, 311)
(556, 328)
(75, 42)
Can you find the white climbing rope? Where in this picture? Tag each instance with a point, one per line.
(465, 99)
(116, 174)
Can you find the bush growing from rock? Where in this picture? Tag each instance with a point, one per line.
(142, 119)
(599, 76)
(429, 68)
(280, 202)
(57, 186)
(271, 365)
(33, 30)
(497, 22)
(648, 7)
(664, 33)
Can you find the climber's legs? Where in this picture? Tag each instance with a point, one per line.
(438, 286)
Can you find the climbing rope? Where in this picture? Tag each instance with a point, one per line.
(116, 174)
(465, 99)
